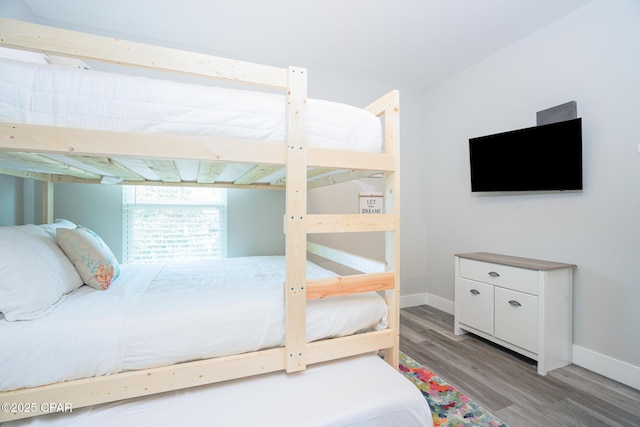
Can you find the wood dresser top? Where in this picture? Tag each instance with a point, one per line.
(532, 264)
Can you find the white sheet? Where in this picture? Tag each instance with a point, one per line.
(358, 391)
(61, 96)
(156, 315)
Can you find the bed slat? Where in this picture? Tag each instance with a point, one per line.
(38, 161)
(311, 174)
(208, 172)
(340, 176)
(110, 166)
(165, 169)
(38, 176)
(256, 173)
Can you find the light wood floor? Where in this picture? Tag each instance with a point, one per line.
(508, 385)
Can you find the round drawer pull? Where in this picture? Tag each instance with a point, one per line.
(493, 274)
(475, 291)
(515, 303)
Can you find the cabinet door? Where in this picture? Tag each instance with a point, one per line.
(475, 308)
(516, 318)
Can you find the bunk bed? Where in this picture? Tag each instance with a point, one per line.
(297, 149)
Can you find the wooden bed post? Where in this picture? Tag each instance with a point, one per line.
(392, 206)
(295, 222)
(47, 201)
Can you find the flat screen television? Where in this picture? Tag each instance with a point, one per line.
(540, 158)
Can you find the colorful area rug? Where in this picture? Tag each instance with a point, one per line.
(449, 407)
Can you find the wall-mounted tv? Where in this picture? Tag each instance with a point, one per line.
(540, 158)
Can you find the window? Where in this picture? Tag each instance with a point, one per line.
(173, 223)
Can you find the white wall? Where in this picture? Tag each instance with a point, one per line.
(96, 207)
(11, 200)
(591, 56)
(16, 9)
(255, 222)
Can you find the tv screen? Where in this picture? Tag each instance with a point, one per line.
(540, 158)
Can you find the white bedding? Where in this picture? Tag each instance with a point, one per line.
(61, 96)
(357, 391)
(155, 315)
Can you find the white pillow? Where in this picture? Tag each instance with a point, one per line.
(91, 256)
(63, 61)
(41, 58)
(34, 273)
(59, 223)
(23, 55)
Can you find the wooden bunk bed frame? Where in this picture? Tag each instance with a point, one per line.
(302, 164)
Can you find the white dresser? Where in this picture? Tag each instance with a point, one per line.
(520, 303)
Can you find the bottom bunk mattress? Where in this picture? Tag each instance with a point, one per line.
(358, 391)
(156, 315)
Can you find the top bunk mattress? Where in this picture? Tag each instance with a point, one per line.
(35, 92)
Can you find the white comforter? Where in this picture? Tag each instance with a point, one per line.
(155, 315)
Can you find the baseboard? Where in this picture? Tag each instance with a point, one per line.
(615, 369)
(428, 299)
(441, 304)
(412, 300)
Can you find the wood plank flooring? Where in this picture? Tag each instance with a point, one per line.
(507, 384)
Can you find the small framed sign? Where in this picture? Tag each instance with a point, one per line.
(371, 203)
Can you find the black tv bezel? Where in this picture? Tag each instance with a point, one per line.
(568, 134)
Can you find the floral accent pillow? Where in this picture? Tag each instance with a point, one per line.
(91, 256)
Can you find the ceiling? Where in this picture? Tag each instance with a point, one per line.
(402, 41)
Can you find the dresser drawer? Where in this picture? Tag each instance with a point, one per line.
(506, 276)
(475, 305)
(516, 318)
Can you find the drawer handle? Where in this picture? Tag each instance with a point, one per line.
(493, 274)
(515, 303)
(475, 291)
